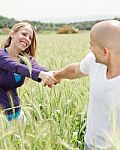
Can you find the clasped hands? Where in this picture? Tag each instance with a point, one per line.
(48, 78)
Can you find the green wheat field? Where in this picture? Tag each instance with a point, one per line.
(55, 119)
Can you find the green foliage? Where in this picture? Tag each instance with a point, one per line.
(39, 26)
(6, 22)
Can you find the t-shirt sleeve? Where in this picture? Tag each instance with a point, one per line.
(85, 64)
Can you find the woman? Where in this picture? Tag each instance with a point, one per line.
(13, 69)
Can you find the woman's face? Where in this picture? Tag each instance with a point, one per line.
(21, 39)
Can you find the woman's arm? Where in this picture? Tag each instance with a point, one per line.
(47, 77)
(7, 64)
(35, 65)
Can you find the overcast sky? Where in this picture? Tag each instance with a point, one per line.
(39, 9)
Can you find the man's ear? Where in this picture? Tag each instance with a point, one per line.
(106, 51)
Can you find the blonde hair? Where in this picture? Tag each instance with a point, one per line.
(31, 50)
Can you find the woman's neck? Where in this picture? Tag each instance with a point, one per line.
(12, 52)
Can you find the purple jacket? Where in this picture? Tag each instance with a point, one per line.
(8, 85)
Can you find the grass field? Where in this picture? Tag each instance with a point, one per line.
(55, 118)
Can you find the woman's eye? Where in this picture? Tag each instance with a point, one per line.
(24, 34)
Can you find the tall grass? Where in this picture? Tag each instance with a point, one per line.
(55, 118)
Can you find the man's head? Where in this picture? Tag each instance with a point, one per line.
(105, 40)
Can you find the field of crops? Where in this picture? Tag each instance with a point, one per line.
(55, 118)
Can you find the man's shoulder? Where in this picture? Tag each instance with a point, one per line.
(90, 57)
(90, 62)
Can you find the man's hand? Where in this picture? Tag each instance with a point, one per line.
(48, 78)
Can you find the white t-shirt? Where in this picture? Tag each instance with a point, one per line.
(103, 99)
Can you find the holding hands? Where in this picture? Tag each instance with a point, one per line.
(48, 78)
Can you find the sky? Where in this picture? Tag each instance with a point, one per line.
(51, 10)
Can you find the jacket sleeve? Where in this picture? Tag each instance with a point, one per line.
(7, 64)
(35, 65)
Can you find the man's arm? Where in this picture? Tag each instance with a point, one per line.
(71, 71)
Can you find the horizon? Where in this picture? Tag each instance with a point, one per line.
(68, 19)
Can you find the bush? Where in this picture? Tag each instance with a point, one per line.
(67, 29)
(5, 30)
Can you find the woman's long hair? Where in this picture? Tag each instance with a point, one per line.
(31, 50)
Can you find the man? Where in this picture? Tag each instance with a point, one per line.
(102, 64)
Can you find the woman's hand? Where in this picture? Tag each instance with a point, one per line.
(48, 79)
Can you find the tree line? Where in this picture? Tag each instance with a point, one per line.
(39, 26)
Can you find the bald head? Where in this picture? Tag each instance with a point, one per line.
(107, 34)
